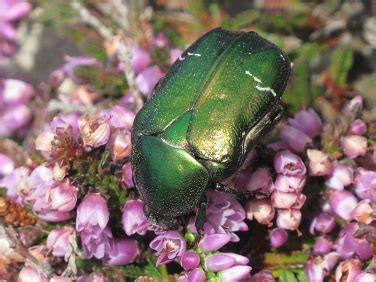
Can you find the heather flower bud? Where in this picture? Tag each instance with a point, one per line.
(213, 242)
(363, 212)
(263, 276)
(63, 197)
(365, 184)
(278, 237)
(289, 184)
(120, 145)
(322, 245)
(348, 270)
(354, 146)
(317, 268)
(340, 177)
(282, 200)
(28, 274)
(174, 54)
(289, 164)
(127, 176)
(168, 245)
(6, 165)
(219, 262)
(148, 78)
(323, 223)
(58, 240)
(307, 121)
(134, 219)
(238, 258)
(319, 163)
(236, 273)
(15, 182)
(295, 139)
(260, 180)
(342, 203)
(365, 277)
(95, 132)
(140, 59)
(289, 218)
(92, 211)
(190, 260)
(354, 106)
(120, 117)
(358, 127)
(197, 275)
(123, 252)
(260, 209)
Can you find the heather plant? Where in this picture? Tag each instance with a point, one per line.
(69, 209)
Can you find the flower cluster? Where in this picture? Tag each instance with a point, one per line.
(11, 13)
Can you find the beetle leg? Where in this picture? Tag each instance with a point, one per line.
(240, 193)
(201, 216)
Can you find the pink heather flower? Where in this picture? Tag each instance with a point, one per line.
(63, 196)
(307, 121)
(92, 277)
(354, 105)
(289, 219)
(224, 215)
(263, 276)
(120, 145)
(91, 222)
(317, 268)
(278, 237)
(60, 279)
(340, 177)
(14, 118)
(282, 200)
(123, 252)
(348, 270)
(6, 165)
(319, 163)
(53, 215)
(365, 184)
(39, 182)
(168, 245)
(160, 41)
(43, 143)
(140, 59)
(148, 78)
(190, 260)
(260, 180)
(219, 262)
(260, 209)
(323, 223)
(342, 203)
(358, 127)
(28, 274)
(236, 273)
(68, 121)
(92, 212)
(213, 242)
(127, 176)
(365, 277)
(14, 92)
(96, 242)
(288, 163)
(289, 184)
(174, 54)
(197, 275)
(120, 117)
(58, 240)
(295, 139)
(72, 63)
(363, 212)
(95, 131)
(354, 146)
(134, 219)
(238, 258)
(322, 245)
(15, 183)
(347, 245)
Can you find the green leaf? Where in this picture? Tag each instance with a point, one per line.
(341, 62)
(133, 271)
(287, 276)
(300, 275)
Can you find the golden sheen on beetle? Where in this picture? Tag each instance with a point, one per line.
(216, 101)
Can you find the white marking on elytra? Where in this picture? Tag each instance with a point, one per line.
(266, 89)
(283, 58)
(254, 77)
(181, 58)
(194, 54)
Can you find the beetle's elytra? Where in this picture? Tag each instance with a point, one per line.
(218, 98)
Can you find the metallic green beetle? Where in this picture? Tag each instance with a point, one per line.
(219, 97)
